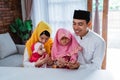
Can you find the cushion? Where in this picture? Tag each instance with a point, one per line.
(15, 60)
(7, 46)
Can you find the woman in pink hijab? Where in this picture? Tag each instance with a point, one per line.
(65, 49)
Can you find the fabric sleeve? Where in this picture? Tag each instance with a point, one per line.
(26, 62)
(98, 56)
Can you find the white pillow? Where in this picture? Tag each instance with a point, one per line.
(7, 46)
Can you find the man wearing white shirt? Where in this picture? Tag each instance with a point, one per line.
(92, 43)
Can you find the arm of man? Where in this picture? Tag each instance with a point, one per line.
(73, 65)
(98, 56)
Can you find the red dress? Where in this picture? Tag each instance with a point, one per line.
(35, 56)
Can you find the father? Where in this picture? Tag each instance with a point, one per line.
(92, 43)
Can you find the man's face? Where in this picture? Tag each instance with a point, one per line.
(80, 27)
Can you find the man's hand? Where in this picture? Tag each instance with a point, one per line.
(61, 62)
(73, 65)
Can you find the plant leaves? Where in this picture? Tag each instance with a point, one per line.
(21, 28)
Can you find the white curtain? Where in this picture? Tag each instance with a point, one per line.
(58, 13)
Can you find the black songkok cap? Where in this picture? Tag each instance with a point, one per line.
(81, 14)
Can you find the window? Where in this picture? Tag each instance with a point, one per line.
(57, 13)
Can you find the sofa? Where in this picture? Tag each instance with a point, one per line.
(11, 54)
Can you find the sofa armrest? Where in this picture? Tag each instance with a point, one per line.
(20, 48)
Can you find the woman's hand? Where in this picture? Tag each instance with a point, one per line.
(73, 65)
(42, 61)
(50, 61)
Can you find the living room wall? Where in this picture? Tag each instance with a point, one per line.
(9, 11)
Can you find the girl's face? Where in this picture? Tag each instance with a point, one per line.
(64, 41)
(43, 38)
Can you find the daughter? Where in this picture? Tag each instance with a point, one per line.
(65, 49)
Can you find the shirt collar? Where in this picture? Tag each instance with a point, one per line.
(86, 35)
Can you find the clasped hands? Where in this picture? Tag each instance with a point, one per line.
(47, 60)
(62, 63)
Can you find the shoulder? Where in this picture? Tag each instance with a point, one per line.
(74, 35)
(49, 42)
(96, 37)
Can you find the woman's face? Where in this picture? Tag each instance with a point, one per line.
(43, 38)
(64, 41)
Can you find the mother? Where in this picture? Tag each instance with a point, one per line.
(47, 41)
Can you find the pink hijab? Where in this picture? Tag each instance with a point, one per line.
(70, 49)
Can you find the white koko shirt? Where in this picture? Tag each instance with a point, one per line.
(93, 50)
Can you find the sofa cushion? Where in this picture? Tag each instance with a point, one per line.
(15, 60)
(7, 46)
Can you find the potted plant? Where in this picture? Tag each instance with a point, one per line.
(21, 28)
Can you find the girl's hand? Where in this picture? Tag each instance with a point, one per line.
(61, 62)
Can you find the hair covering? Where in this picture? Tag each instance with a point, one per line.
(59, 50)
(81, 14)
(42, 26)
(37, 46)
